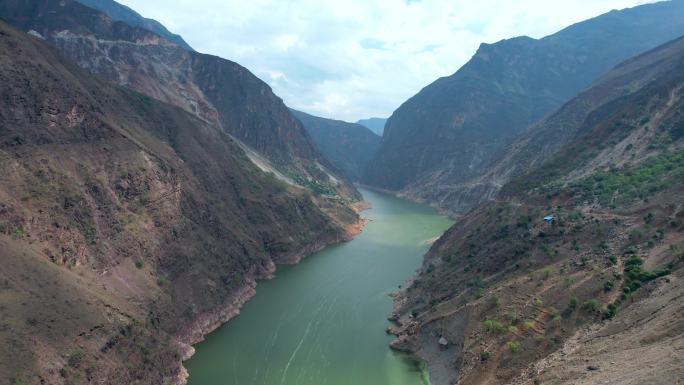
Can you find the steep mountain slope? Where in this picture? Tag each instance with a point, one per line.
(218, 91)
(377, 125)
(521, 300)
(120, 12)
(571, 120)
(348, 146)
(451, 131)
(128, 227)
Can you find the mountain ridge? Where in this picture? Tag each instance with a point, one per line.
(120, 12)
(451, 131)
(377, 125)
(576, 259)
(349, 146)
(216, 90)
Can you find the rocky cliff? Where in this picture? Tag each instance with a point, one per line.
(123, 13)
(441, 140)
(579, 259)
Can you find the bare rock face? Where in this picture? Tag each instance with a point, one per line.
(120, 12)
(441, 141)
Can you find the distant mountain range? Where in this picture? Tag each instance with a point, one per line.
(377, 125)
(348, 146)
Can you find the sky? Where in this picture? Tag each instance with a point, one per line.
(354, 59)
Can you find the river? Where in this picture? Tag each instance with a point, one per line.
(323, 321)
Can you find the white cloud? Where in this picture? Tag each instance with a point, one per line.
(354, 59)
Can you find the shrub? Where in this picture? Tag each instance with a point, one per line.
(549, 251)
(554, 313)
(528, 324)
(635, 274)
(568, 282)
(592, 304)
(608, 286)
(484, 356)
(513, 329)
(610, 311)
(75, 358)
(139, 262)
(513, 346)
(574, 301)
(648, 218)
(496, 326)
(513, 317)
(496, 301)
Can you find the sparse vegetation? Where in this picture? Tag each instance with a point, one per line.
(139, 262)
(622, 186)
(495, 326)
(513, 346)
(591, 304)
(75, 358)
(554, 314)
(635, 277)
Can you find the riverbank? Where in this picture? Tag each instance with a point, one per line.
(312, 315)
(208, 322)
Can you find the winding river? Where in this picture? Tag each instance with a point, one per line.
(323, 321)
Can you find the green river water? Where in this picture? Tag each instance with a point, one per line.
(323, 321)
